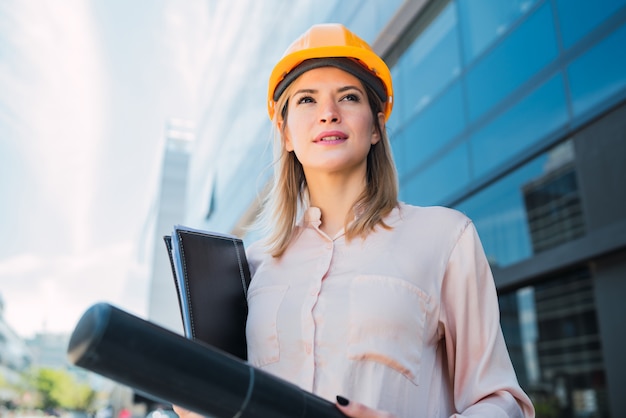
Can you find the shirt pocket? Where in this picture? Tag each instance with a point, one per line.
(387, 323)
(261, 329)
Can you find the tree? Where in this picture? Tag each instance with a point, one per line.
(58, 389)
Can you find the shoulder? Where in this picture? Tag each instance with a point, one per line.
(437, 218)
(257, 249)
(433, 230)
(440, 212)
(256, 252)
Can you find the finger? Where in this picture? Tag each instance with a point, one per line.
(185, 413)
(358, 410)
(178, 409)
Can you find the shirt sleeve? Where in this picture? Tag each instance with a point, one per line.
(480, 370)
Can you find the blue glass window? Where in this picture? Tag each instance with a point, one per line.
(551, 330)
(528, 49)
(430, 63)
(398, 148)
(438, 181)
(538, 114)
(499, 215)
(482, 22)
(599, 73)
(432, 128)
(535, 208)
(579, 17)
(370, 17)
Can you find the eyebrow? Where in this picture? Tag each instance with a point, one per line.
(340, 90)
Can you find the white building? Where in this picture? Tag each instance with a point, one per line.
(170, 207)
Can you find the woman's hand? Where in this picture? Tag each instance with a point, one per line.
(358, 410)
(350, 409)
(185, 413)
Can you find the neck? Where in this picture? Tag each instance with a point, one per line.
(335, 197)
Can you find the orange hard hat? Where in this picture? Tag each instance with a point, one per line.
(331, 44)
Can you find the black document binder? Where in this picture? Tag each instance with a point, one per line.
(212, 278)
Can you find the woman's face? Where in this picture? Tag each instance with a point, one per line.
(329, 124)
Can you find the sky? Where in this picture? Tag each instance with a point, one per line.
(86, 90)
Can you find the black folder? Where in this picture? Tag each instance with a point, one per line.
(212, 276)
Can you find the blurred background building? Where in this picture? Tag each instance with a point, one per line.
(20, 359)
(15, 358)
(511, 111)
(170, 210)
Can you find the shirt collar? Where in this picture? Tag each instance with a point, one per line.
(312, 216)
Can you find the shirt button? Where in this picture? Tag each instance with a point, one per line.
(308, 348)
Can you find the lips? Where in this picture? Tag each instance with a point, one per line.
(330, 136)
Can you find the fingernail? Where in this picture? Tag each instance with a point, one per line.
(342, 401)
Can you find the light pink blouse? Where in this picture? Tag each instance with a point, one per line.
(405, 321)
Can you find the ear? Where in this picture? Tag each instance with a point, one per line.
(285, 134)
(381, 122)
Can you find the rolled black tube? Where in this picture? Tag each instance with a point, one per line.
(196, 376)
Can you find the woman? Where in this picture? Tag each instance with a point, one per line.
(390, 310)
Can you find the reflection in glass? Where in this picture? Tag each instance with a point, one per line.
(527, 50)
(431, 130)
(579, 17)
(534, 208)
(553, 208)
(430, 63)
(599, 73)
(551, 330)
(482, 22)
(516, 337)
(432, 185)
(529, 121)
(368, 17)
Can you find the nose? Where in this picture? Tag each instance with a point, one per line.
(329, 113)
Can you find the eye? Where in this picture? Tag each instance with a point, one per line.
(305, 99)
(351, 97)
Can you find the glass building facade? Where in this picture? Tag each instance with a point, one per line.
(511, 111)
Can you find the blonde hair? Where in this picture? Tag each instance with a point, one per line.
(288, 194)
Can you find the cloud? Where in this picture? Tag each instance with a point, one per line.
(51, 293)
(87, 89)
(55, 90)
